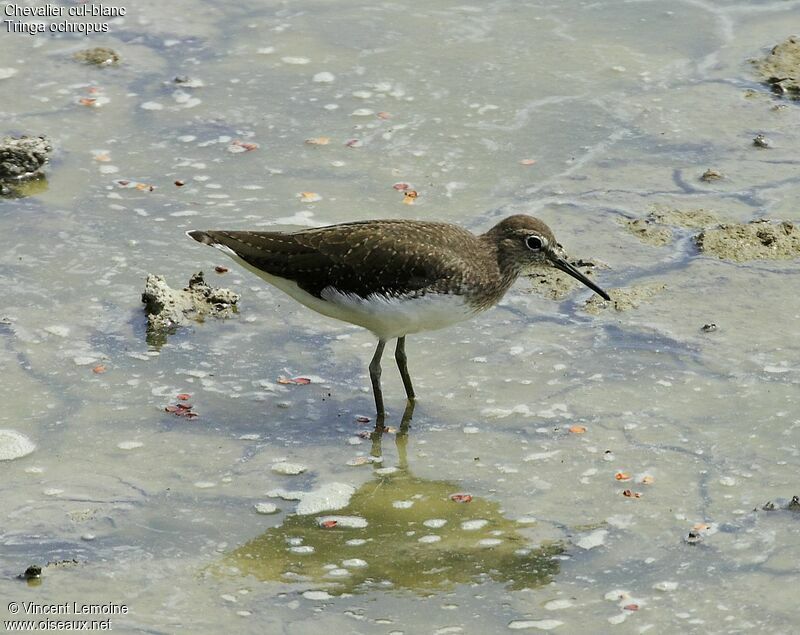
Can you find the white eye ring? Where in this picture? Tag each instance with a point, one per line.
(534, 243)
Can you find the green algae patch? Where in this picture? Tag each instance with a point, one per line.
(399, 532)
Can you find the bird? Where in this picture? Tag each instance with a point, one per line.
(397, 277)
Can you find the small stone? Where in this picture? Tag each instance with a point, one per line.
(709, 328)
(557, 605)
(99, 56)
(474, 525)
(289, 469)
(592, 540)
(302, 549)
(540, 625)
(693, 537)
(760, 141)
(14, 445)
(265, 508)
(129, 445)
(665, 586)
(711, 175)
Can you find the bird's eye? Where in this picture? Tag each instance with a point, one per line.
(534, 243)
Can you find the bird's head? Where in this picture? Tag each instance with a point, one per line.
(525, 243)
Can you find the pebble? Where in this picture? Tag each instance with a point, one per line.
(429, 538)
(472, 525)
(265, 508)
(289, 469)
(14, 445)
(541, 625)
(592, 540)
(338, 573)
(129, 445)
(557, 605)
(302, 549)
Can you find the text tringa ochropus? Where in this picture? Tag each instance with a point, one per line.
(396, 277)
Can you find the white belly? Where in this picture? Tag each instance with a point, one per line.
(386, 317)
(396, 317)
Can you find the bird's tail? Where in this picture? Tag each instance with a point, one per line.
(201, 237)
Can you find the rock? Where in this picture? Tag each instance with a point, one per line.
(167, 308)
(758, 240)
(99, 56)
(655, 228)
(624, 299)
(23, 157)
(711, 175)
(646, 230)
(284, 467)
(266, 508)
(780, 69)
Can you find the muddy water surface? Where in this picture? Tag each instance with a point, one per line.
(610, 462)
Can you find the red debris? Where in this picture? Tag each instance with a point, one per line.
(461, 498)
(301, 381)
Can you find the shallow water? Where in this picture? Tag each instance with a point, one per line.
(622, 106)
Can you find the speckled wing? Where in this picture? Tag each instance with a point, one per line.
(387, 257)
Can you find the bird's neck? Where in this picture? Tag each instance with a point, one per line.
(502, 271)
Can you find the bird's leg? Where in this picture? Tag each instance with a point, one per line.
(400, 357)
(375, 377)
(376, 436)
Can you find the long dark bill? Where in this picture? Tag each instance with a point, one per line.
(563, 265)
